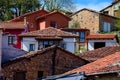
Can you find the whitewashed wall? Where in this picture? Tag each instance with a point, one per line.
(70, 44)
(27, 41)
(5, 41)
(107, 43)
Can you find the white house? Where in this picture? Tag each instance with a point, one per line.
(39, 39)
(101, 40)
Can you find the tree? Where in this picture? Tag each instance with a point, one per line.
(10, 7)
(60, 5)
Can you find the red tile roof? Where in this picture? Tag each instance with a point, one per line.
(102, 36)
(51, 13)
(99, 53)
(101, 65)
(12, 25)
(48, 32)
(17, 19)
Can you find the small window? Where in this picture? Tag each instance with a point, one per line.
(31, 25)
(106, 27)
(53, 24)
(82, 36)
(99, 45)
(40, 74)
(63, 45)
(31, 47)
(11, 40)
(106, 12)
(20, 75)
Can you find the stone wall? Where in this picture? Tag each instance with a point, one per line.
(64, 61)
(87, 20)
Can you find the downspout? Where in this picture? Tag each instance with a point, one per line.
(53, 60)
(1, 52)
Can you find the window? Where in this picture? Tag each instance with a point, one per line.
(63, 45)
(11, 40)
(82, 36)
(106, 27)
(31, 47)
(44, 44)
(20, 75)
(53, 24)
(99, 45)
(31, 25)
(40, 74)
(106, 12)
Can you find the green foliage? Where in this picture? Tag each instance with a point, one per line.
(75, 24)
(19, 7)
(52, 5)
(82, 49)
(117, 22)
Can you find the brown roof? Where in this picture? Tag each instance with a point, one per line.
(50, 38)
(27, 14)
(12, 25)
(106, 63)
(94, 11)
(101, 36)
(39, 52)
(99, 53)
(48, 32)
(51, 13)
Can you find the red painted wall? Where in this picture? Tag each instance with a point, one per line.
(62, 21)
(15, 32)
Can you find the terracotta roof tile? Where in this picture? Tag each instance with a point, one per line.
(102, 36)
(101, 65)
(51, 13)
(17, 19)
(48, 32)
(99, 53)
(12, 25)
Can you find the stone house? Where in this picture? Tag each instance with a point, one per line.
(92, 20)
(42, 19)
(96, 41)
(36, 40)
(112, 9)
(46, 62)
(106, 68)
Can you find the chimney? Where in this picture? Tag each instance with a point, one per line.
(15, 15)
